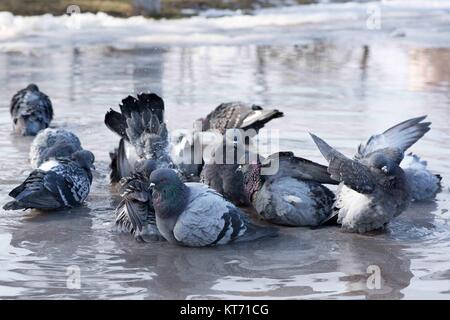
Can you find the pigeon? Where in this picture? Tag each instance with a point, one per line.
(51, 143)
(135, 214)
(238, 115)
(424, 185)
(223, 176)
(294, 195)
(374, 188)
(229, 115)
(140, 124)
(194, 215)
(57, 184)
(31, 111)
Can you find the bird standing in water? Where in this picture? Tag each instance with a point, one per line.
(31, 111)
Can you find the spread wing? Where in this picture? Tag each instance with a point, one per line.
(401, 136)
(352, 173)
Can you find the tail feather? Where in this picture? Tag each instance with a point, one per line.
(255, 232)
(292, 166)
(259, 117)
(14, 205)
(120, 166)
(138, 109)
(116, 122)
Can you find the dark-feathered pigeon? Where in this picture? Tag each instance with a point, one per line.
(230, 115)
(294, 195)
(140, 124)
(194, 215)
(31, 111)
(58, 183)
(373, 189)
(222, 175)
(52, 143)
(135, 214)
(424, 185)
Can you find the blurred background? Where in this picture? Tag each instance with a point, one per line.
(155, 8)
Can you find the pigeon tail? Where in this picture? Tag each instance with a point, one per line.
(324, 148)
(259, 117)
(141, 123)
(14, 205)
(120, 166)
(144, 104)
(255, 232)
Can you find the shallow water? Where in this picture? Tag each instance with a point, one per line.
(336, 79)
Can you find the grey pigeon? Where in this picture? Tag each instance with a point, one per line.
(229, 115)
(294, 195)
(373, 189)
(135, 214)
(194, 215)
(51, 143)
(424, 185)
(31, 111)
(57, 184)
(140, 124)
(223, 176)
(238, 115)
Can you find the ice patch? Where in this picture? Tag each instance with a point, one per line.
(283, 25)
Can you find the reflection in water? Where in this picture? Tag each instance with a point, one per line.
(429, 67)
(344, 93)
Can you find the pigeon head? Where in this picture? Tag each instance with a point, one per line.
(85, 159)
(163, 179)
(169, 194)
(32, 87)
(383, 163)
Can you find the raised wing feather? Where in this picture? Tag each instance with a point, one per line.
(401, 136)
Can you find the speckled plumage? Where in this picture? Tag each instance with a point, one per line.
(141, 126)
(58, 183)
(135, 213)
(62, 142)
(31, 111)
(238, 115)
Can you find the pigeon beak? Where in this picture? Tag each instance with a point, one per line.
(152, 185)
(92, 167)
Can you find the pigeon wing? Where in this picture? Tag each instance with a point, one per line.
(401, 136)
(208, 219)
(352, 173)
